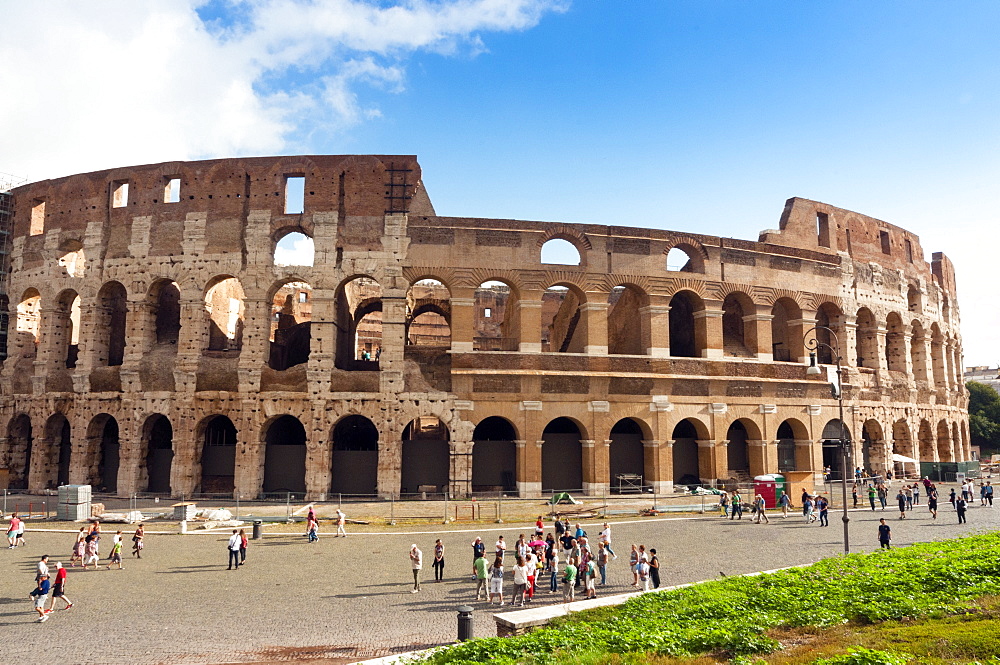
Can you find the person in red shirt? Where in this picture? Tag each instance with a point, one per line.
(59, 588)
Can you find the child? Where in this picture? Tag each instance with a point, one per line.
(116, 553)
(78, 547)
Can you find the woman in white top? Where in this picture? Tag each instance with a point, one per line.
(520, 581)
(605, 538)
(496, 579)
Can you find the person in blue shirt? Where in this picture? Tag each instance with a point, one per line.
(40, 594)
(884, 534)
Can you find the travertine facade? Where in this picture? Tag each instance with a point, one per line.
(157, 346)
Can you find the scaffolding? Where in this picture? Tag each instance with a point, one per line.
(7, 184)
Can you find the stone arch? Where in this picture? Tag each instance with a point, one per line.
(218, 455)
(786, 342)
(290, 324)
(738, 456)
(355, 456)
(164, 302)
(58, 457)
(16, 453)
(561, 251)
(65, 329)
(738, 338)
(895, 343)
(628, 320)
(914, 300)
(562, 455)
(625, 453)
(225, 310)
(293, 246)
(685, 342)
(873, 447)
(563, 320)
(928, 446)
(497, 317)
(944, 450)
(428, 313)
(103, 453)
(867, 339)
(494, 455)
(902, 444)
(158, 454)
(697, 255)
(284, 441)
(359, 323)
(687, 455)
(793, 457)
(832, 457)
(29, 319)
(426, 459)
(828, 316)
(110, 325)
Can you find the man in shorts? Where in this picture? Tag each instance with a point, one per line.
(59, 588)
(12, 529)
(39, 595)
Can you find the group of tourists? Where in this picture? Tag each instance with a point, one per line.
(566, 556)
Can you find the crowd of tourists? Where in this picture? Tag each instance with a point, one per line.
(566, 557)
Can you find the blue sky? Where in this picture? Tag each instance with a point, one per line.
(701, 116)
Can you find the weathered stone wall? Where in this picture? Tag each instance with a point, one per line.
(194, 286)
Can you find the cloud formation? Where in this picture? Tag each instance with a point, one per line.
(97, 85)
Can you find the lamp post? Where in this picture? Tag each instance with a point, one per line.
(812, 345)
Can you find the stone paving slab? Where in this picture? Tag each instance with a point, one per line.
(347, 599)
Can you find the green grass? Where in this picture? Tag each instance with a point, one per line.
(737, 618)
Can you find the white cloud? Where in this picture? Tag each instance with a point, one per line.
(98, 85)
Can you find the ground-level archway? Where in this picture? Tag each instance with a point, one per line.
(17, 455)
(685, 453)
(832, 456)
(562, 456)
(494, 456)
(159, 443)
(426, 461)
(626, 461)
(104, 452)
(355, 456)
(218, 456)
(285, 456)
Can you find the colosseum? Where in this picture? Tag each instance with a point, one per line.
(310, 324)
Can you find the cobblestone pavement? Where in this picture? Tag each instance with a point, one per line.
(343, 599)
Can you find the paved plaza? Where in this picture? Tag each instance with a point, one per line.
(344, 599)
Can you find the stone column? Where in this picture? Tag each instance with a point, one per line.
(191, 340)
(185, 468)
(757, 335)
(390, 466)
(131, 458)
(594, 316)
(322, 348)
(463, 319)
(85, 458)
(391, 361)
(708, 330)
(595, 466)
(529, 468)
(707, 462)
(256, 348)
(658, 465)
(656, 317)
(319, 455)
(848, 340)
(44, 464)
(797, 329)
(248, 480)
(880, 344)
(530, 310)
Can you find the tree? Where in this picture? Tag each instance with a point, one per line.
(984, 416)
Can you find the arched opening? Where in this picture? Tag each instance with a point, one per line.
(17, 453)
(497, 318)
(944, 451)
(166, 305)
(867, 346)
(925, 436)
(494, 456)
(686, 469)
(218, 456)
(359, 324)
(683, 259)
(225, 309)
(426, 456)
(832, 456)
(735, 340)
(914, 303)
(111, 312)
(285, 457)
(895, 344)
(562, 328)
(57, 431)
(159, 439)
(872, 454)
(291, 321)
(627, 324)
(786, 342)
(918, 351)
(66, 328)
(560, 252)
(104, 428)
(828, 317)
(683, 335)
(789, 459)
(294, 249)
(562, 456)
(428, 314)
(626, 460)
(29, 316)
(71, 258)
(737, 452)
(355, 456)
(902, 445)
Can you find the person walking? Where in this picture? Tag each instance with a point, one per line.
(243, 546)
(960, 507)
(137, 543)
(824, 511)
(605, 538)
(736, 506)
(39, 595)
(496, 580)
(438, 563)
(19, 539)
(785, 502)
(95, 533)
(539, 528)
(312, 530)
(724, 504)
(416, 563)
(90, 552)
(884, 534)
(15, 522)
(908, 491)
(882, 494)
(341, 522)
(951, 498)
(116, 554)
(78, 547)
(901, 500)
(520, 581)
(233, 546)
(654, 568)
(59, 588)
(807, 509)
(479, 567)
(760, 505)
(932, 501)
(871, 496)
(989, 496)
(569, 582)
